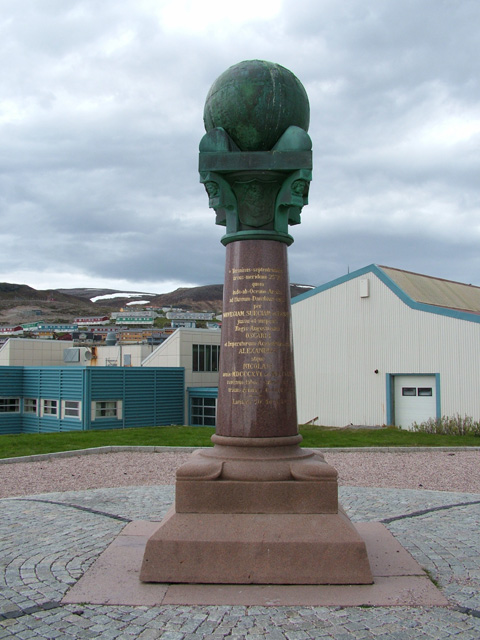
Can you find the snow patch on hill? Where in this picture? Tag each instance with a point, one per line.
(110, 296)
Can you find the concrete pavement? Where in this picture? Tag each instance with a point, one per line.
(47, 542)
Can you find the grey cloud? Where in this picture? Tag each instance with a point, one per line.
(334, 255)
(101, 116)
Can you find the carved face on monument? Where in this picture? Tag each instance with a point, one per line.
(212, 189)
(255, 102)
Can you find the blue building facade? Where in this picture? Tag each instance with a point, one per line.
(52, 399)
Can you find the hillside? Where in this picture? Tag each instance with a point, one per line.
(22, 293)
(208, 297)
(20, 303)
(204, 298)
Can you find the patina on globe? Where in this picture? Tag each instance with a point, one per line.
(255, 102)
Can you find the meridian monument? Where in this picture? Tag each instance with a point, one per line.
(256, 508)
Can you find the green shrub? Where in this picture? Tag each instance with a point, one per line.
(449, 425)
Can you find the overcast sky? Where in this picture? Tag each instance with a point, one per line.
(101, 114)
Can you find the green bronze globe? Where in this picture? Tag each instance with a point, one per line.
(255, 102)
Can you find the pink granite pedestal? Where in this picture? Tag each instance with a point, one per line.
(113, 579)
(256, 508)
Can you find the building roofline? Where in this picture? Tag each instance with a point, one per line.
(398, 291)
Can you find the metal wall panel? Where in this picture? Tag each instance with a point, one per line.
(10, 423)
(10, 387)
(30, 424)
(10, 381)
(53, 382)
(31, 382)
(140, 398)
(170, 397)
(71, 383)
(151, 396)
(106, 383)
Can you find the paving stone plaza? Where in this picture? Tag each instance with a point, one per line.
(48, 541)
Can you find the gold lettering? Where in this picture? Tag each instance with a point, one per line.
(250, 350)
(257, 365)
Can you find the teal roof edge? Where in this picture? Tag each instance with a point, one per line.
(393, 286)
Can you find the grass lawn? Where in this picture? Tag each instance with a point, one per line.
(313, 436)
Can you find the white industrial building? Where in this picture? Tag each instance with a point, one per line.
(386, 346)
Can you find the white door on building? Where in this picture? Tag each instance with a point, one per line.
(415, 399)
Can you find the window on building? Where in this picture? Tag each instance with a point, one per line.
(424, 391)
(71, 409)
(49, 407)
(107, 409)
(30, 405)
(203, 412)
(9, 405)
(409, 391)
(205, 357)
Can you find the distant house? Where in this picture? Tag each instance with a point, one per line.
(144, 318)
(55, 328)
(52, 330)
(11, 331)
(91, 321)
(189, 315)
(386, 346)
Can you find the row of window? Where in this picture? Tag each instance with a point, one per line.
(60, 408)
(413, 391)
